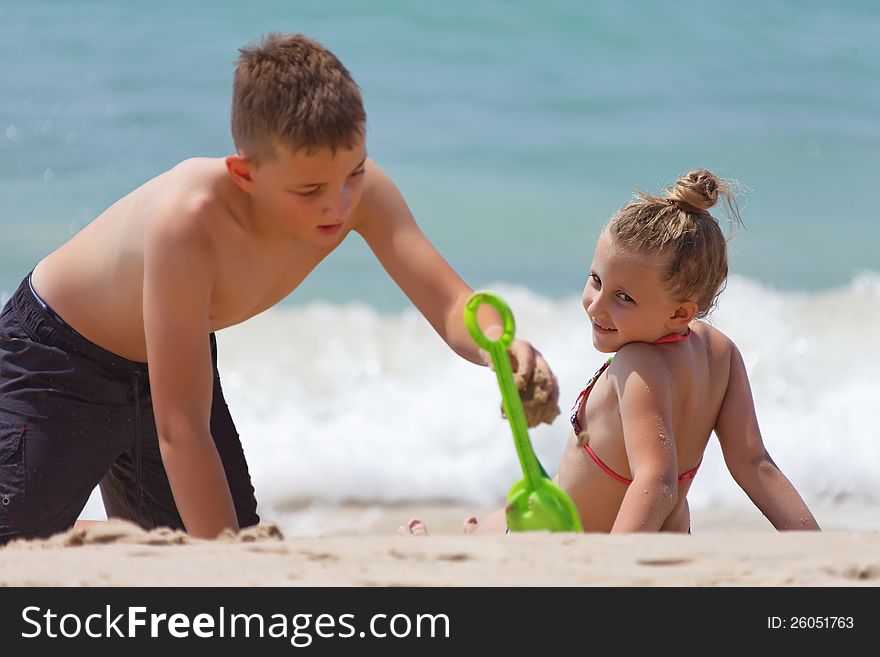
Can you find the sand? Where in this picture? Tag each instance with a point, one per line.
(739, 550)
(540, 398)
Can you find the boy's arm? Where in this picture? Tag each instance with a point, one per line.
(178, 275)
(387, 225)
(645, 400)
(748, 460)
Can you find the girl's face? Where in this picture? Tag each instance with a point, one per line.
(626, 300)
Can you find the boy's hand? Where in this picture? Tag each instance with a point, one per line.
(535, 381)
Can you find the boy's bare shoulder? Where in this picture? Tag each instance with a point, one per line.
(190, 199)
(198, 185)
(379, 197)
(376, 181)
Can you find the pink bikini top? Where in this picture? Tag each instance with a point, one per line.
(585, 393)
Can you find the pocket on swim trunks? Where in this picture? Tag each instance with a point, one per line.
(12, 475)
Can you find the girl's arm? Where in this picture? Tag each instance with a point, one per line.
(645, 396)
(748, 459)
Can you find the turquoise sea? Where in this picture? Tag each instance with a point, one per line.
(514, 130)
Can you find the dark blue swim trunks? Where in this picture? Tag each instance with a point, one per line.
(74, 415)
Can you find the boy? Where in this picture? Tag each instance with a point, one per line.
(206, 245)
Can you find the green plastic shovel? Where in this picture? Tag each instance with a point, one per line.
(535, 502)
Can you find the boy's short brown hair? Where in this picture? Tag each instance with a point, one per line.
(291, 90)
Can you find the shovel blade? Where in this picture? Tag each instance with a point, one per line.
(544, 508)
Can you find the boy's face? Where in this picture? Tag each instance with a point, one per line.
(310, 195)
(625, 298)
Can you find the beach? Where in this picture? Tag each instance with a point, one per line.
(722, 553)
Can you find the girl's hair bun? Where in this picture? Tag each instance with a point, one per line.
(696, 191)
(679, 225)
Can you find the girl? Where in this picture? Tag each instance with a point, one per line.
(643, 421)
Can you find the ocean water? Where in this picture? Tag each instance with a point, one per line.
(514, 130)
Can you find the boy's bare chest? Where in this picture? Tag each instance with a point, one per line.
(251, 281)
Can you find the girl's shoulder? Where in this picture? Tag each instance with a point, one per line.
(643, 359)
(653, 363)
(717, 343)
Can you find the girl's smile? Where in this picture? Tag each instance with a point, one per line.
(604, 330)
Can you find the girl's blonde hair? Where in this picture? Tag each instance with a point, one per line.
(678, 225)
